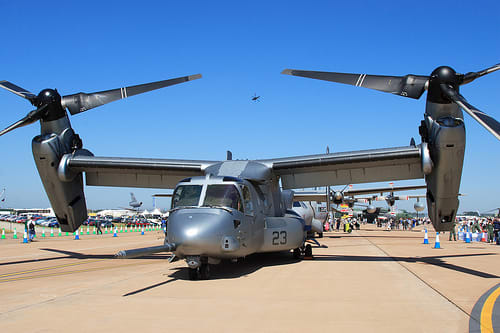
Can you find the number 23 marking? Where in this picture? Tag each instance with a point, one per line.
(279, 237)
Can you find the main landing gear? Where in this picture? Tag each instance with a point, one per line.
(306, 251)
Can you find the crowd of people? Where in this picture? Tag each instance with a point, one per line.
(489, 225)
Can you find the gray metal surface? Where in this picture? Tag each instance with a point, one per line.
(348, 167)
(135, 172)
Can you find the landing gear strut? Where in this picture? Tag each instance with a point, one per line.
(198, 268)
(308, 252)
(305, 250)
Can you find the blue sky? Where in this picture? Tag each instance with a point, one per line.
(241, 48)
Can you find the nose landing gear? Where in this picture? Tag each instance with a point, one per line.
(199, 269)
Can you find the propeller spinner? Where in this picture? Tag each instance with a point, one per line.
(50, 105)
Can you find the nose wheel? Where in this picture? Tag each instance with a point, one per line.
(202, 272)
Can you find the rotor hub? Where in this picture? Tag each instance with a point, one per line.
(48, 96)
(443, 75)
(52, 99)
(446, 75)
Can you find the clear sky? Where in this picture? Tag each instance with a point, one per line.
(241, 48)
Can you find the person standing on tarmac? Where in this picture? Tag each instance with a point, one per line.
(31, 229)
(490, 230)
(453, 231)
(98, 226)
(475, 226)
(496, 231)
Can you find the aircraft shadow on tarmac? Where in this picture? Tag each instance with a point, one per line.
(225, 270)
(431, 260)
(372, 236)
(230, 270)
(76, 255)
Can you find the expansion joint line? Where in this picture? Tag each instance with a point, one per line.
(426, 283)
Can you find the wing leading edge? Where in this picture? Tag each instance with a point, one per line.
(135, 172)
(363, 166)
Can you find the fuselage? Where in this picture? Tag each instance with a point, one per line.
(313, 214)
(227, 217)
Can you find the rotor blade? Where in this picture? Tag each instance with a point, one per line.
(81, 102)
(412, 86)
(486, 121)
(17, 90)
(28, 119)
(471, 76)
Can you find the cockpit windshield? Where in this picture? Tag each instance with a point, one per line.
(186, 195)
(224, 196)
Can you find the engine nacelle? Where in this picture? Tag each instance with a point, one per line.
(337, 198)
(446, 144)
(419, 207)
(371, 209)
(65, 196)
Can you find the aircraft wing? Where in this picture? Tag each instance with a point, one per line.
(364, 166)
(319, 196)
(384, 190)
(134, 172)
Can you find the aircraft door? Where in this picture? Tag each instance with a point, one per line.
(250, 213)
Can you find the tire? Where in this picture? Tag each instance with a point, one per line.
(308, 251)
(204, 271)
(296, 253)
(193, 274)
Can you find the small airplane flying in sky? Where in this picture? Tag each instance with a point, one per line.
(233, 208)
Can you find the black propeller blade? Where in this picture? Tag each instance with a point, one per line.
(82, 102)
(482, 118)
(471, 76)
(50, 105)
(18, 90)
(412, 86)
(30, 118)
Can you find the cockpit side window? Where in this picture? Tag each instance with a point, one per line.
(247, 200)
(224, 196)
(186, 195)
(296, 204)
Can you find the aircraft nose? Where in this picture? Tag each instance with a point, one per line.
(199, 231)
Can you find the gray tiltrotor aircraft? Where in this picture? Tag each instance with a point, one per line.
(233, 208)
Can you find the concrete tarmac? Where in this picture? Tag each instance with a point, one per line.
(368, 281)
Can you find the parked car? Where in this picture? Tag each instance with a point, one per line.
(54, 224)
(106, 224)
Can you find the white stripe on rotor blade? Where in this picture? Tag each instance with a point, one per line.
(362, 80)
(360, 75)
